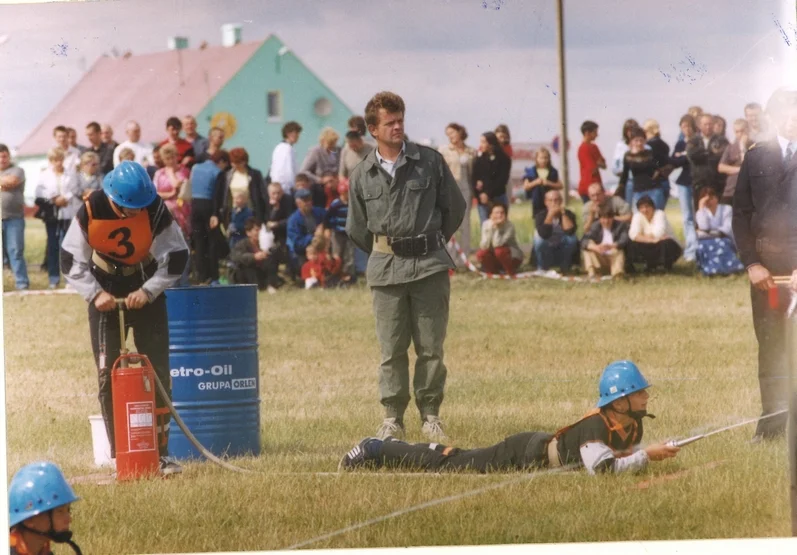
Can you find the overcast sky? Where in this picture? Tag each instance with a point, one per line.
(478, 62)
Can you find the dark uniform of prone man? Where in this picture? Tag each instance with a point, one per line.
(606, 439)
(765, 231)
(404, 207)
(124, 243)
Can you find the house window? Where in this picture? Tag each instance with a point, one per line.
(274, 106)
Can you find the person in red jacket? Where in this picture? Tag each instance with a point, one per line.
(590, 159)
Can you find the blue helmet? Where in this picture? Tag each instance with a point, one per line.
(129, 185)
(37, 488)
(620, 378)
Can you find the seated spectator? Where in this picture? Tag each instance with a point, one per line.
(499, 249)
(304, 224)
(335, 231)
(279, 209)
(319, 268)
(604, 244)
(239, 215)
(127, 154)
(716, 250)
(88, 179)
(316, 190)
(641, 165)
(652, 238)
(555, 243)
(539, 179)
(597, 197)
(253, 266)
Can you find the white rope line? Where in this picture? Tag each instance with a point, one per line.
(522, 275)
(427, 504)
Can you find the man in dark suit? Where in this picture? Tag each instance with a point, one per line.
(765, 229)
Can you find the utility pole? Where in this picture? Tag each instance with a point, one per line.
(563, 142)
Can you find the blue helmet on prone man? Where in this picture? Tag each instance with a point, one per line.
(39, 500)
(606, 439)
(129, 186)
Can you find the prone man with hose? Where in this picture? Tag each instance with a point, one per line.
(124, 243)
(606, 439)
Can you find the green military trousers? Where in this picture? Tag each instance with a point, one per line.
(416, 311)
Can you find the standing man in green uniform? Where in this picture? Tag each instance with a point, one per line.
(404, 207)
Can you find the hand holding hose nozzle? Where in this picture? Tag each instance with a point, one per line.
(687, 441)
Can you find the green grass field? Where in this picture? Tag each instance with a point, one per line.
(522, 356)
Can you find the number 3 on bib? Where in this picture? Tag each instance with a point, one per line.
(121, 236)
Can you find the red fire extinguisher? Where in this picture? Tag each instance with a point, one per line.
(134, 413)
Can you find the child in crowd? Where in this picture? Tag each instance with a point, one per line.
(127, 154)
(319, 267)
(240, 214)
(335, 232)
(539, 179)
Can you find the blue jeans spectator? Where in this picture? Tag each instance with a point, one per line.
(14, 246)
(484, 209)
(688, 213)
(656, 195)
(53, 242)
(665, 190)
(560, 255)
(629, 192)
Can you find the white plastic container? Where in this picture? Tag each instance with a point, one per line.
(99, 440)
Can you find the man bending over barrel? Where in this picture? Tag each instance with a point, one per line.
(606, 439)
(124, 243)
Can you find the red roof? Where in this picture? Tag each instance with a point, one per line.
(145, 88)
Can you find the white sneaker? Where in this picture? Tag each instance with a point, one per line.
(169, 466)
(390, 427)
(271, 290)
(433, 429)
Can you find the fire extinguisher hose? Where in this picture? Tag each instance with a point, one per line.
(190, 436)
(120, 303)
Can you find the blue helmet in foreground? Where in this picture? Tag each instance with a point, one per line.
(129, 185)
(620, 378)
(37, 488)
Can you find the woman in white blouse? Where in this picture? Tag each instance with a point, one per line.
(652, 238)
(716, 250)
(53, 196)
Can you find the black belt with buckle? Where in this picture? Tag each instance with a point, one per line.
(419, 245)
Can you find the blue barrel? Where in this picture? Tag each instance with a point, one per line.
(214, 369)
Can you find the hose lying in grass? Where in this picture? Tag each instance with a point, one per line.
(210, 456)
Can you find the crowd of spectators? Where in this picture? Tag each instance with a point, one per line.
(286, 223)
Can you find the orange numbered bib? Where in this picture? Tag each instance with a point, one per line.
(126, 240)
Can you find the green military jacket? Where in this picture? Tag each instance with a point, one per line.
(423, 197)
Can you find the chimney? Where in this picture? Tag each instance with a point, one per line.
(230, 34)
(178, 43)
